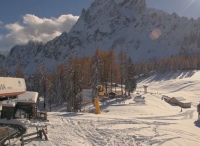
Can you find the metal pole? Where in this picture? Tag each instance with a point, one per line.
(8, 134)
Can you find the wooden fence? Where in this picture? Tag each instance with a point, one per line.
(42, 115)
(26, 138)
(3, 140)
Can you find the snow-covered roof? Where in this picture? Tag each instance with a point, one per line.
(179, 98)
(9, 103)
(28, 97)
(185, 101)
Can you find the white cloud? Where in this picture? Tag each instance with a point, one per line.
(35, 28)
(1, 23)
(14, 27)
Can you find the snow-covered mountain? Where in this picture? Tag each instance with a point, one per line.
(144, 33)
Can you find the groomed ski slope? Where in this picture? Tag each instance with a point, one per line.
(155, 123)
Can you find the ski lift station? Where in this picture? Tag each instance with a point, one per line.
(15, 100)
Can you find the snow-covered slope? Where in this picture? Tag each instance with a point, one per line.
(155, 123)
(144, 33)
(185, 84)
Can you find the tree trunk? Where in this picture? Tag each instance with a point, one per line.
(106, 89)
(121, 87)
(50, 104)
(44, 103)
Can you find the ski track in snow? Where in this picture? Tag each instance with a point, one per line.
(102, 132)
(99, 131)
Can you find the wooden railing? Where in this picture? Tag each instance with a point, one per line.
(24, 138)
(39, 134)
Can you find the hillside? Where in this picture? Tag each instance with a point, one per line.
(144, 33)
(154, 123)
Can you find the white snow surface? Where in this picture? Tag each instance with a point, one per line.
(28, 96)
(154, 123)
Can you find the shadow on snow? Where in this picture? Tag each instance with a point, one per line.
(197, 123)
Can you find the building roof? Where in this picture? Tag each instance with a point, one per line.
(185, 101)
(179, 98)
(9, 103)
(27, 97)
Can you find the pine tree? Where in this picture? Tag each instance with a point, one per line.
(60, 84)
(95, 80)
(50, 94)
(30, 83)
(39, 81)
(6, 72)
(122, 65)
(70, 83)
(86, 68)
(109, 68)
(130, 84)
(19, 72)
(78, 80)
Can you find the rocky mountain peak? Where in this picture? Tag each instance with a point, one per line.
(31, 42)
(136, 6)
(133, 3)
(144, 33)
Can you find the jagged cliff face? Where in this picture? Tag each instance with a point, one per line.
(2, 58)
(142, 32)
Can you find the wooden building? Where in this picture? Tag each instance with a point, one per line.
(112, 94)
(8, 109)
(26, 102)
(180, 101)
(184, 104)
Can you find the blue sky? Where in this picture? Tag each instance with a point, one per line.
(42, 20)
